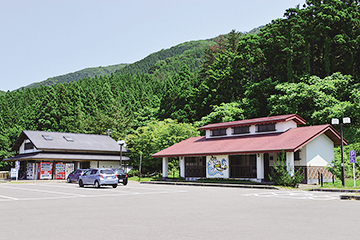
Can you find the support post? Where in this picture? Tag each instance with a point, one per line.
(260, 166)
(165, 167)
(182, 166)
(290, 163)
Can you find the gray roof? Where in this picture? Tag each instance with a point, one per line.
(57, 142)
(53, 156)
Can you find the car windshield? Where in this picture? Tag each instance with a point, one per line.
(119, 171)
(107, 171)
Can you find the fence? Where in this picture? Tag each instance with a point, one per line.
(4, 174)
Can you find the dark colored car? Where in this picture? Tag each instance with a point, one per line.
(74, 175)
(122, 176)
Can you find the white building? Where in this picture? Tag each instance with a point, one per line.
(247, 149)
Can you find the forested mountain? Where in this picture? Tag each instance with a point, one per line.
(2, 92)
(306, 63)
(75, 76)
(166, 62)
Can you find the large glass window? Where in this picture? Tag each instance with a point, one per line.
(243, 166)
(266, 127)
(218, 132)
(241, 130)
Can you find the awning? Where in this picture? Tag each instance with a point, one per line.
(55, 156)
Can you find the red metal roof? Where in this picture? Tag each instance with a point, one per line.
(263, 120)
(291, 140)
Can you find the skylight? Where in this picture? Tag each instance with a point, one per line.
(69, 139)
(47, 137)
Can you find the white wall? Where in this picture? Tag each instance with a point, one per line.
(22, 148)
(320, 151)
(105, 164)
(284, 126)
(280, 127)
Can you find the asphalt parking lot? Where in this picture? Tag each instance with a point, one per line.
(57, 210)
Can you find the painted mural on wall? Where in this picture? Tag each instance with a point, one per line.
(217, 166)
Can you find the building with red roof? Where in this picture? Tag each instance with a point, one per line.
(247, 149)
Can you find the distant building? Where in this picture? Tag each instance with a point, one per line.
(53, 155)
(247, 149)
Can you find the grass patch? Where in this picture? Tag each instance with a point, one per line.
(349, 184)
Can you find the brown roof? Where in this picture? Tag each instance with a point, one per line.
(263, 120)
(291, 140)
(81, 142)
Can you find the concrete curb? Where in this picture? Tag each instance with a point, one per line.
(342, 197)
(349, 197)
(211, 184)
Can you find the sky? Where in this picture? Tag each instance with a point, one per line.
(40, 39)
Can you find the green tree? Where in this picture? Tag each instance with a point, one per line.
(154, 137)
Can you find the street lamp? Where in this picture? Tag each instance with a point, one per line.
(335, 121)
(121, 143)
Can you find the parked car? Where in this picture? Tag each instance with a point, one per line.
(99, 177)
(122, 176)
(74, 175)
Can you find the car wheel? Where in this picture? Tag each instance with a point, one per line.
(96, 184)
(125, 182)
(114, 186)
(81, 183)
(68, 180)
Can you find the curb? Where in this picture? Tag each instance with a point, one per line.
(349, 197)
(212, 185)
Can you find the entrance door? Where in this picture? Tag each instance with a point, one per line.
(266, 167)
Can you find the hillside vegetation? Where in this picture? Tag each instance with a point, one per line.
(75, 76)
(306, 63)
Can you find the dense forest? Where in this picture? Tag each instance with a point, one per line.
(75, 76)
(307, 62)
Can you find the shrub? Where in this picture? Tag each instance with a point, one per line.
(280, 176)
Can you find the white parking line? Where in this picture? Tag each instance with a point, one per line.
(7, 198)
(109, 192)
(37, 190)
(296, 195)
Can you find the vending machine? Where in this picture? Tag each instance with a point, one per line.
(69, 167)
(59, 171)
(45, 170)
(30, 171)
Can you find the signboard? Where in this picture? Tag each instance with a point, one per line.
(17, 165)
(13, 173)
(352, 156)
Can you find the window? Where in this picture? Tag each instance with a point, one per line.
(266, 127)
(69, 139)
(195, 166)
(218, 132)
(29, 145)
(297, 155)
(47, 137)
(241, 130)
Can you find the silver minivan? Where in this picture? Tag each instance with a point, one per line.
(99, 177)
